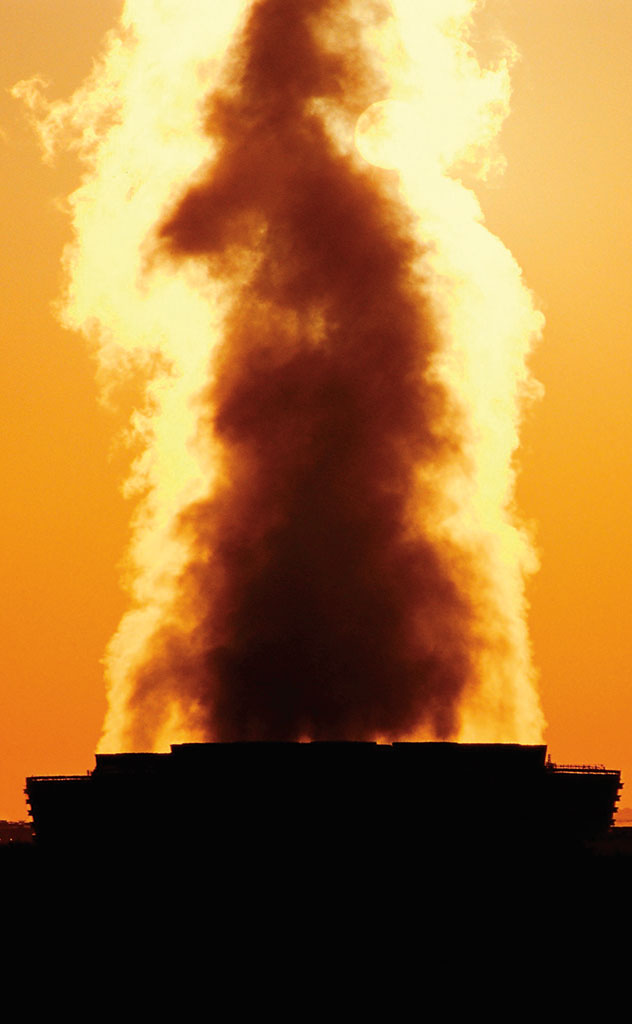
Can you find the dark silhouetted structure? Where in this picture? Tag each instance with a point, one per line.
(287, 800)
(15, 833)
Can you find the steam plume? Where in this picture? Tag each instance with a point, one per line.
(326, 545)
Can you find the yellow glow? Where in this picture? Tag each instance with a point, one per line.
(138, 124)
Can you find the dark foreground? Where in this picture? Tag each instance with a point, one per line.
(337, 845)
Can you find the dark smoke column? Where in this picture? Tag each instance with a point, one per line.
(322, 608)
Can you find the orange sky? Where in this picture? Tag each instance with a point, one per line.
(562, 207)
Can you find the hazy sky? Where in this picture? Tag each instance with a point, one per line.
(563, 207)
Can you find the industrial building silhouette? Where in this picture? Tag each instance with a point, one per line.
(324, 799)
